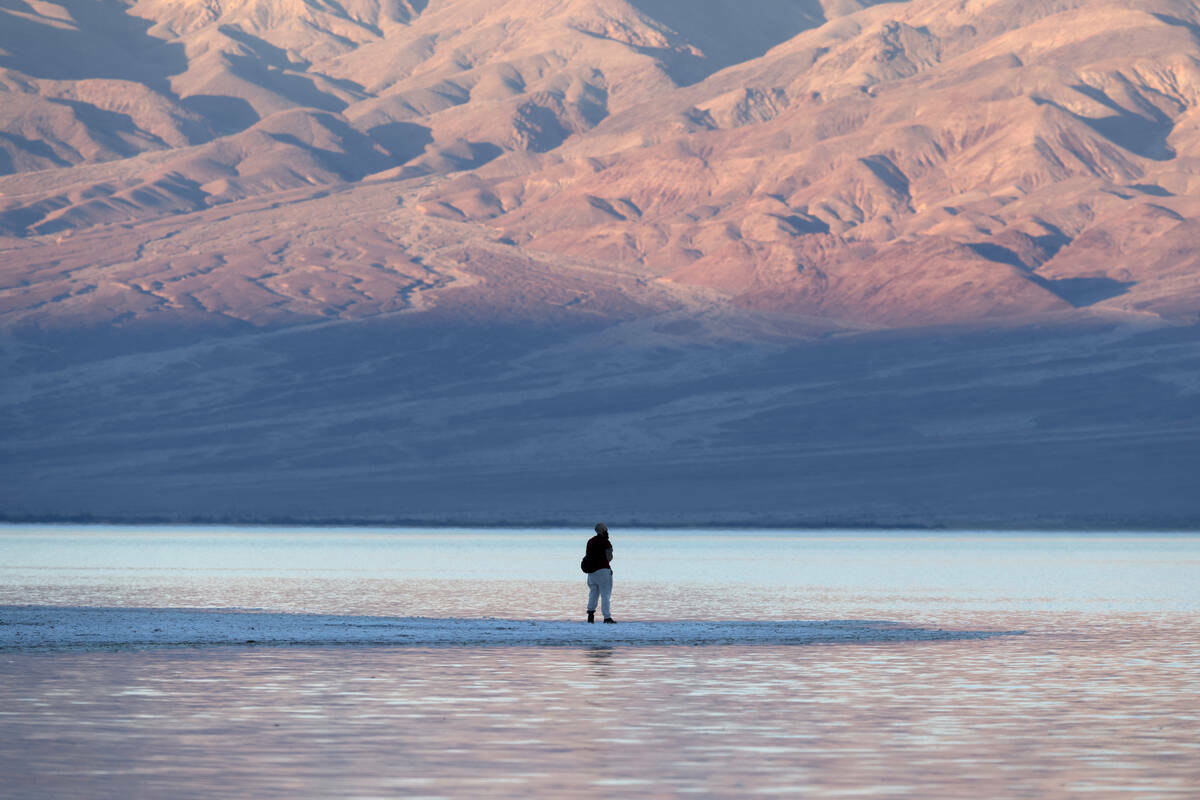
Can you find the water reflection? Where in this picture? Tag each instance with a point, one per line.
(1110, 712)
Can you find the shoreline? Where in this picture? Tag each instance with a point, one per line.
(732, 524)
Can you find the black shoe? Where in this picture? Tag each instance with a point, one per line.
(610, 620)
(591, 616)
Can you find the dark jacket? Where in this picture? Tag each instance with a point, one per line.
(599, 554)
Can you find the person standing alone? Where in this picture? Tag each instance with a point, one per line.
(597, 563)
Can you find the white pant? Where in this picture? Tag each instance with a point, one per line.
(600, 585)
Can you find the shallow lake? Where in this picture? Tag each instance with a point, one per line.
(1096, 698)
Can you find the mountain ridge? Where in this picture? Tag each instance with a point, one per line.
(949, 153)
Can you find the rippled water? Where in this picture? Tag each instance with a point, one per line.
(1097, 699)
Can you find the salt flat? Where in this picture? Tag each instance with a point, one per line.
(55, 628)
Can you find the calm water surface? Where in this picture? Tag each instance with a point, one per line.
(1097, 699)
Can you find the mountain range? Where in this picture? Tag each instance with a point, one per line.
(665, 261)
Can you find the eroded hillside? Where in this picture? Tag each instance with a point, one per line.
(896, 164)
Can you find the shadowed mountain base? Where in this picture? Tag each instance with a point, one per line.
(1027, 427)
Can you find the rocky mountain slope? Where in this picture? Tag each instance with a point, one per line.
(894, 164)
(907, 163)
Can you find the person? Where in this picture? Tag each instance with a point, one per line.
(597, 563)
